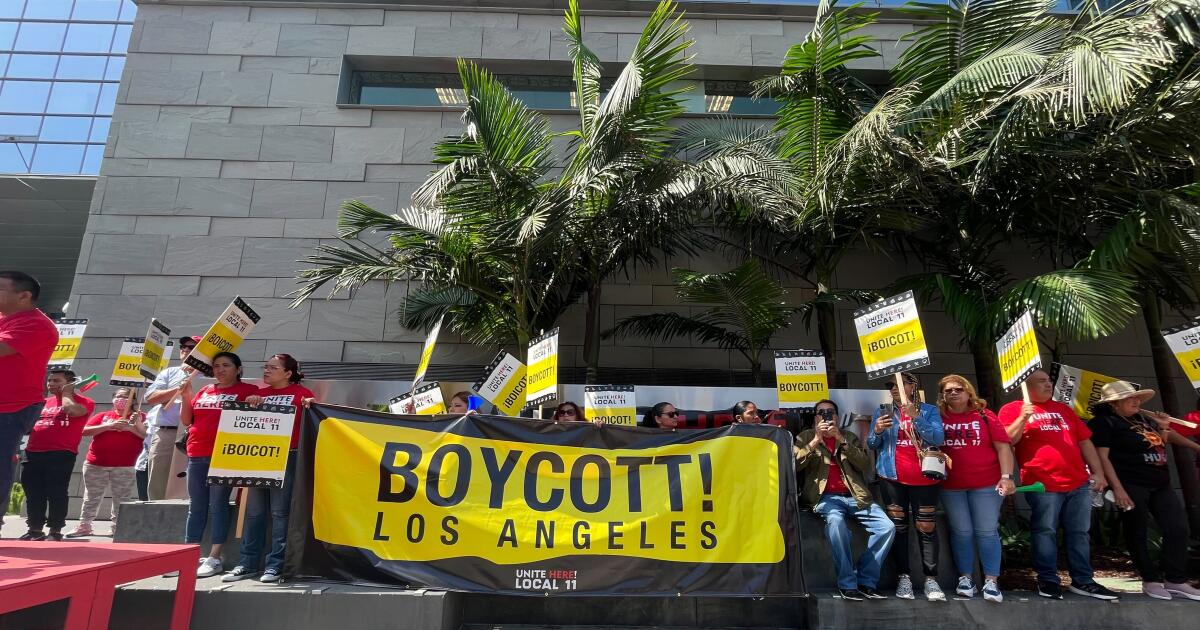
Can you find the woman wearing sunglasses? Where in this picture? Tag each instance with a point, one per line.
(567, 412)
(1131, 443)
(976, 484)
(664, 415)
(902, 435)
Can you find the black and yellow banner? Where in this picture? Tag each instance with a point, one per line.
(506, 505)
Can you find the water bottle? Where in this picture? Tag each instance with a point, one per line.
(1097, 496)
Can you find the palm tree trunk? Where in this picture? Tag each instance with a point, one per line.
(1164, 371)
(827, 332)
(987, 373)
(591, 334)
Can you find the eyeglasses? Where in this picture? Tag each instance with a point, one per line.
(669, 414)
(566, 412)
(954, 390)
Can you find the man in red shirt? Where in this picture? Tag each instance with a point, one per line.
(1052, 446)
(50, 455)
(27, 339)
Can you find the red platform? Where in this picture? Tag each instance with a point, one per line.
(87, 574)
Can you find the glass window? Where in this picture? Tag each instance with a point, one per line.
(49, 9)
(8, 32)
(128, 10)
(733, 97)
(73, 98)
(97, 9)
(108, 98)
(32, 66)
(91, 159)
(58, 158)
(66, 129)
(11, 8)
(24, 96)
(81, 67)
(115, 66)
(4, 64)
(96, 38)
(100, 129)
(39, 36)
(14, 158)
(20, 126)
(120, 42)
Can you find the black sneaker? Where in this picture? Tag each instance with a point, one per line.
(33, 535)
(1093, 589)
(1050, 589)
(871, 593)
(54, 535)
(852, 594)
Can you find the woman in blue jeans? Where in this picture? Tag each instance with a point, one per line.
(282, 376)
(202, 415)
(976, 483)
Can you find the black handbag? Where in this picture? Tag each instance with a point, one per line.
(181, 436)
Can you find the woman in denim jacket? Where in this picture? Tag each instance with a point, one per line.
(906, 491)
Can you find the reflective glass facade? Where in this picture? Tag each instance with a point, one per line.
(60, 65)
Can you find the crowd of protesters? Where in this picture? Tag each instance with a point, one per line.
(890, 476)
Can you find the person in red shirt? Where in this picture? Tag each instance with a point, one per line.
(201, 413)
(50, 455)
(281, 378)
(27, 340)
(1052, 445)
(117, 437)
(978, 480)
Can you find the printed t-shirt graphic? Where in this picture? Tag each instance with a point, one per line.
(970, 439)
(206, 415)
(55, 431)
(1049, 447)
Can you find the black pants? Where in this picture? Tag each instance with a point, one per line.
(46, 478)
(920, 502)
(1172, 522)
(143, 484)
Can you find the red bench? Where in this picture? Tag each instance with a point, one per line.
(87, 574)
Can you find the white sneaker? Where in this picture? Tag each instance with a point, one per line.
(209, 567)
(933, 592)
(270, 576)
(904, 589)
(966, 587)
(991, 591)
(1182, 589)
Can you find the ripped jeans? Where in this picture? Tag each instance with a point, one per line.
(901, 502)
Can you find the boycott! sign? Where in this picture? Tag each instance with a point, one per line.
(493, 504)
(427, 399)
(225, 335)
(70, 335)
(157, 341)
(127, 371)
(542, 376)
(889, 333)
(1184, 341)
(252, 444)
(1018, 352)
(1078, 388)
(503, 384)
(402, 404)
(612, 404)
(427, 352)
(800, 378)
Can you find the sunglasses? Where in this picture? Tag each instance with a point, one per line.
(669, 414)
(954, 390)
(566, 412)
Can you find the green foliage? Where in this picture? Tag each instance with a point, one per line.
(15, 499)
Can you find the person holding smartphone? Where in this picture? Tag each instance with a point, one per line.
(831, 463)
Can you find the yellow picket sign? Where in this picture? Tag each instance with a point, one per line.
(225, 335)
(890, 336)
(70, 336)
(1018, 352)
(611, 404)
(1184, 341)
(503, 384)
(542, 374)
(427, 352)
(800, 378)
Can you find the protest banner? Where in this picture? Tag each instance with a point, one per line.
(251, 448)
(611, 404)
(1017, 350)
(70, 335)
(225, 335)
(542, 375)
(501, 505)
(1077, 388)
(427, 399)
(503, 384)
(158, 339)
(402, 403)
(891, 339)
(1184, 341)
(427, 352)
(127, 370)
(800, 378)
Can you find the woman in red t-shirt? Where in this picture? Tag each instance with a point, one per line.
(117, 438)
(976, 483)
(201, 413)
(282, 376)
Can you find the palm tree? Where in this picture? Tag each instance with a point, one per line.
(747, 309)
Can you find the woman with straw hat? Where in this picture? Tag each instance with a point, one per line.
(1131, 442)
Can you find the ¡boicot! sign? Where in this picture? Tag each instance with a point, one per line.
(503, 384)
(251, 448)
(890, 336)
(1078, 388)
(488, 503)
(1184, 341)
(70, 335)
(610, 404)
(225, 335)
(1018, 352)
